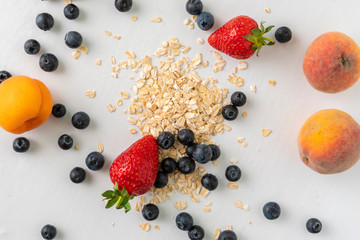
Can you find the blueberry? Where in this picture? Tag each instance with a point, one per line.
(194, 7)
(80, 120)
(186, 137)
(58, 110)
(209, 181)
(95, 161)
(65, 142)
(186, 165)
(202, 153)
(205, 21)
(71, 11)
(184, 221)
(215, 152)
(233, 173)
(48, 232)
(48, 62)
(230, 112)
(123, 5)
(238, 99)
(165, 140)
(4, 75)
(150, 212)
(161, 180)
(190, 150)
(168, 165)
(196, 233)
(227, 235)
(21, 144)
(32, 46)
(77, 175)
(44, 21)
(73, 39)
(313, 225)
(283, 34)
(271, 210)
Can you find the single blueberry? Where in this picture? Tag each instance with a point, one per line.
(196, 233)
(48, 62)
(4, 75)
(80, 120)
(21, 144)
(71, 11)
(186, 137)
(205, 21)
(58, 110)
(313, 225)
(233, 173)
(230, 112)
(202, 153)
(150, 212)
(44, 21)
(165, 140)
(190, 150)
(95, 161)
(186, 165)
(238, 99)
(77, 175)
(161, 180)
(65, 142)
(184, 221)
(271, 210)
(227, 235)
(123, 5)
(48, 232)
(168, 165)
(215, 152)
(209, 181)
(283, 34)
(73, 39)
(194, 7)
(32, 46)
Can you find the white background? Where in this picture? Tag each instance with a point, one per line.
(35, 188)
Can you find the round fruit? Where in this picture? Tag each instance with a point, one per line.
(95, 161)
(313, 225)
(4, 75)
(150, 212)
(44, 21)
(71, 11)
(230, 112)
(48, 232)
(238, 99)
(202, 153)
(73, 39)
(65, 142)
(184, 221)
(186, 165)
(233, 173)
(80, 120)
(227, 235)
(48, 62)
(194, 7)
(168, 165)
(161, 180)
(166, 140)
(77, 175)
(58, 110)
(209, 181)
(123, 5)
(205, 21)
(21, 144)
(283, 34)
(215, 152)
(32, 46)
(271, 210)
(186, 137)
(190, 150)
(196, 233)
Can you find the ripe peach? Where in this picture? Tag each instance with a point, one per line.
(332, 62)
(329, 141)
(25, 104)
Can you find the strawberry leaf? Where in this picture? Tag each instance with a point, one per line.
(108, 194)
(268, 29)
(256, 32)
(270, 43)
(111, 203)
(250, 38)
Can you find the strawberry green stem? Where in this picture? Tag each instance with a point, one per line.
(118, 198)
(258, 39)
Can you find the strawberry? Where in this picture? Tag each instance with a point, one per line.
(133, 172)
(240, 37)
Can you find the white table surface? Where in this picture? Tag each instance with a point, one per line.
(35, 188)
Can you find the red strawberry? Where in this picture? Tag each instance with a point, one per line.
(240, 37)
(133, 172)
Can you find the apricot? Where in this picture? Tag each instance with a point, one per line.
(25, 104)
(329, 141)
(332, 62)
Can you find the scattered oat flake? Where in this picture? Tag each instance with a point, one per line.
(233, 160)
(249, 222)
(245, 144)
(267, 10)
(200, 41)
(77, 147)
(108, 33)
(207, 209)
(132, 130)
(112, 224)
(194, 17)
(233, 185)
(112, 60)
(117, 37)
(119, 102)
(216, 233)
(142, 199)
(100, 147)
(228, 227)
(187, 21)
(124, 94)
(204, 192)
(272, 82)
(180, 205)
(215, 162)
(244, 114)
(240, 140)
(156, 19)
(217, 55)
(208, 204)
(186, 49)
(138, 206)
(130, 55)
(76, 54)
(235, 69)
(67, 1)
(134, 18)
(111, 108)
(132, 120)
(243, 65)
(239, 204)
(145, 226)
(156, 227)
(191, 25)
(90, 93)
(246, 207)
(98, 62)
(253, 88)
(83, 49)
(265, 132)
